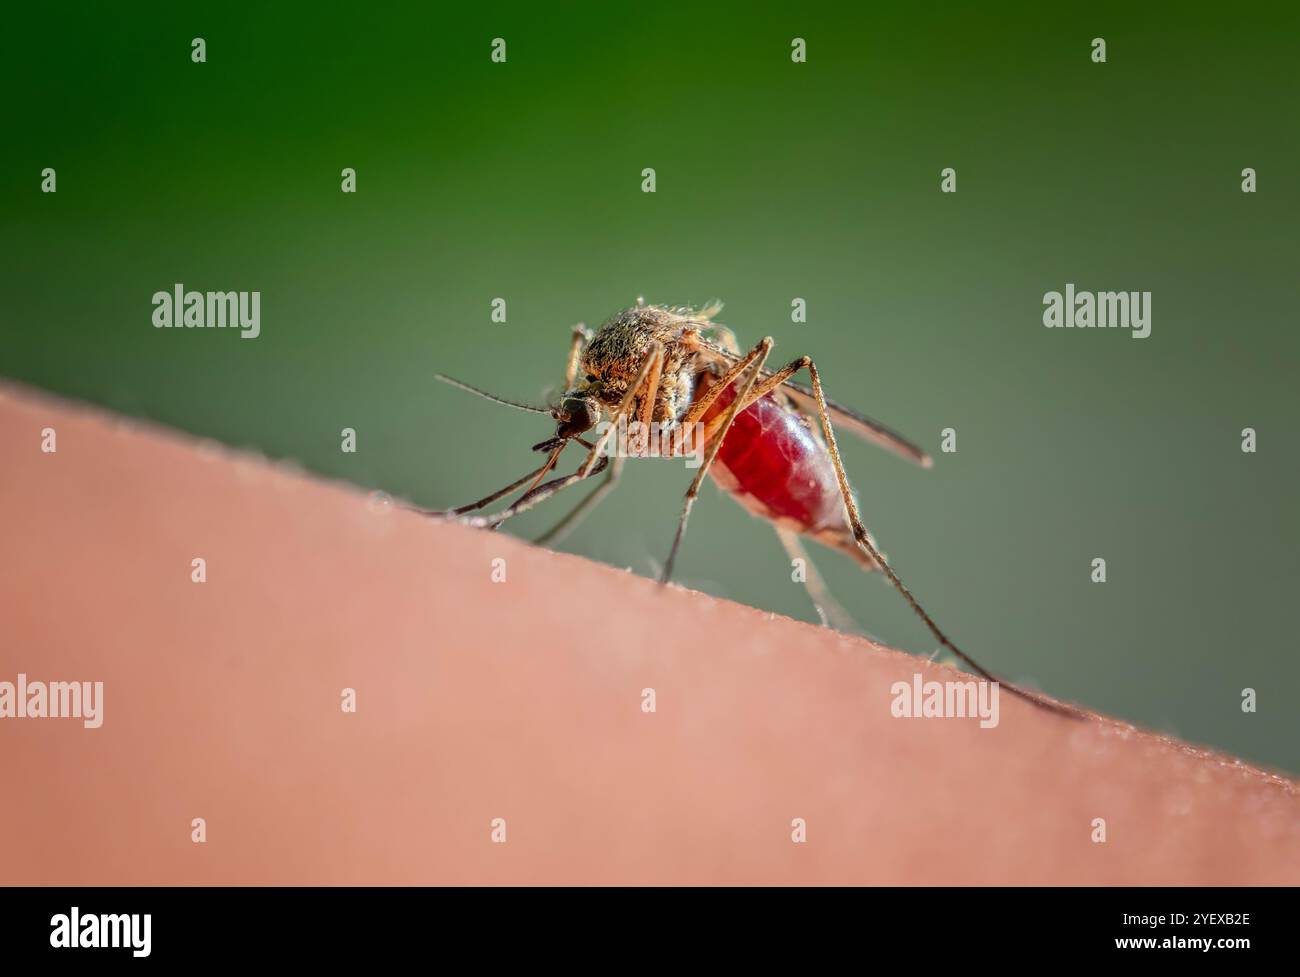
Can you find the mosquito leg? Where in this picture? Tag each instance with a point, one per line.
(761, 390)
(571, 522)
(647, 412)
(863, 539)
(776, 379)
(702, 405)
(654, 362)
(488, 500)
(594, 463)
(758, 356)
(831, 612)
(534, 497)
(580, 339)
(550, 463)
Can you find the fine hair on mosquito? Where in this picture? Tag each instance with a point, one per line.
(768, 441)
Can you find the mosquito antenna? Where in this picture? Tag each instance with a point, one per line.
(492, 397)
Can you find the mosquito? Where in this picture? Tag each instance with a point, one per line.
(768, 441)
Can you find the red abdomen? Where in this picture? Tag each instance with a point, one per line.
(775, 467)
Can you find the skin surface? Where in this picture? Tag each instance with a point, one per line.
(479, 700)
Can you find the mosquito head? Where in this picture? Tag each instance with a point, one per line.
(576, 414)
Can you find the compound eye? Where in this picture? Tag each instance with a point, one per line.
(580, 415)
(592, 378)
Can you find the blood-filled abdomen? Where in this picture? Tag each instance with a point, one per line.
(774, 466)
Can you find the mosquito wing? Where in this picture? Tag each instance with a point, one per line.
(859, 424)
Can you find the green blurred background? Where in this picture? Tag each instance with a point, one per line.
(775, 180)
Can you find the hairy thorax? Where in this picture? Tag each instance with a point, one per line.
(616, 354)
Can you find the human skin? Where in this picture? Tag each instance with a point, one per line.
(520, 700)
